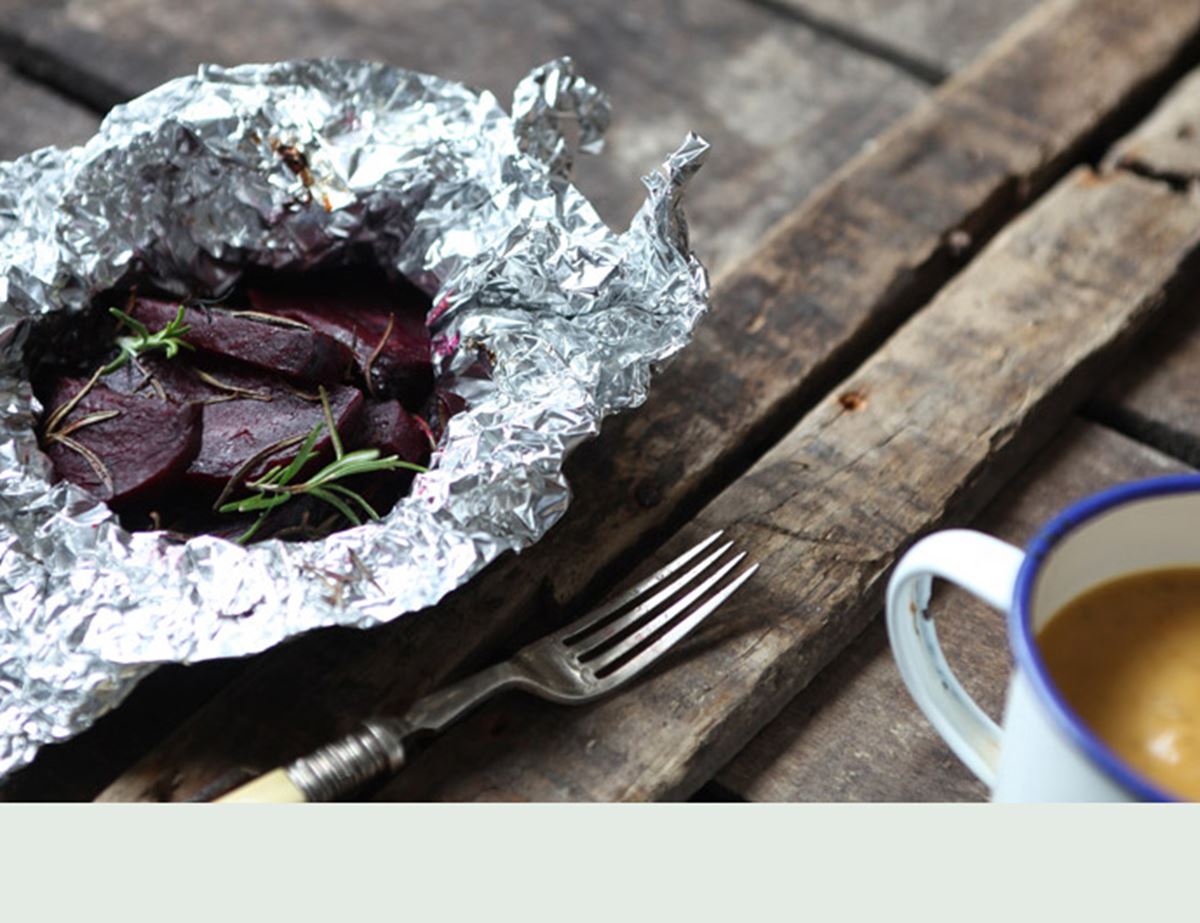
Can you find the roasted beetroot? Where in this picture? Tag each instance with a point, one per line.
(389, 339)
(199, 381)
(387, 426)
(284, 347)
(244, 413)
(197, 416)
(242, 429)
(143, 447)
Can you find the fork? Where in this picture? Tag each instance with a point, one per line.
(589, 658)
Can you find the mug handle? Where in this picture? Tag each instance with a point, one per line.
(984, 566)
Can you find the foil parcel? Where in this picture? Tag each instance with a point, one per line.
(190, 184)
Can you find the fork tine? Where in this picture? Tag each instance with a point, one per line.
(589, 641)
(596, 616)
(632, 667)
(625, 645)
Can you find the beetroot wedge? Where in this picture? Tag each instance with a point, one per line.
(287, 348)
(391, 429)
(387, 426)
(243, 429)
(129, 458)
(389, 339)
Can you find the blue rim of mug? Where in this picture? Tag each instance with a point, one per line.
(1021, 628)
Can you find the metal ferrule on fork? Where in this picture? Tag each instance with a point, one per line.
(374, 748)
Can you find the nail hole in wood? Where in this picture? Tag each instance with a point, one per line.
(853, 400)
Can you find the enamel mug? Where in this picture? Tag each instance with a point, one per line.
(1043, 752)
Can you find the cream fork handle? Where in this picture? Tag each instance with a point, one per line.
(273, 788)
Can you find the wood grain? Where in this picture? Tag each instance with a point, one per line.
(854, 734)
(945, 34)
(830, 282)
(782, 106)
(916, 439)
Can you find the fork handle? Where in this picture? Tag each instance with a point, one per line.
(276, 787)
(373, 748)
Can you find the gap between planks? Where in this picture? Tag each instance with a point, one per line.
(980, 170)
(910, 62)
(53, 72)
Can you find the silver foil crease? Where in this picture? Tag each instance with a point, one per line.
(188, 185)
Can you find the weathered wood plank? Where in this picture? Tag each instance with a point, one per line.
(1166, 144)
(31, 117)
(854, 734)
(1156, 396)
(831, 281)
(938, 33)
(781, 105)
(918, 438)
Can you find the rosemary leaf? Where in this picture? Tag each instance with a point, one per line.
(249, 533)
(169, 340)
(323, 493)
(356, 497)
(329, 424)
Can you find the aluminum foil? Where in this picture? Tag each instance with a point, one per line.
(286, 165)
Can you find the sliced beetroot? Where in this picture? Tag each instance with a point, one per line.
(236, 431)
(287, 349)
(387, 426)
(387, 335)
(144, 449)
(152, 376)
(244, 412)
(200, 381)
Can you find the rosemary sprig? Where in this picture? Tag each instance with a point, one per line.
(169, 340)
(276, 487)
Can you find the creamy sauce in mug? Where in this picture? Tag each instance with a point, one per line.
(1126, 657)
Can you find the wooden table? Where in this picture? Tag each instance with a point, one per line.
(953, 245)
